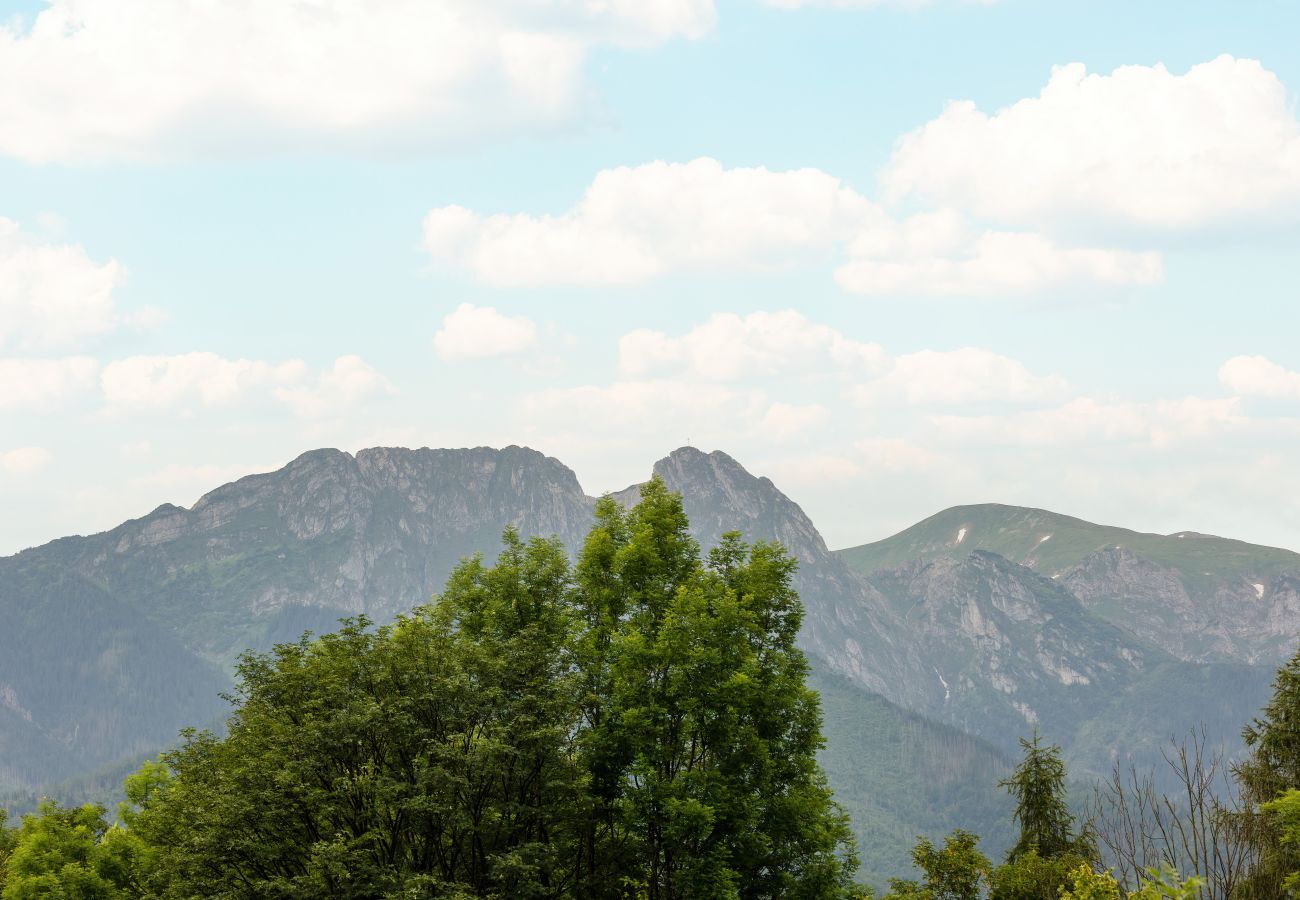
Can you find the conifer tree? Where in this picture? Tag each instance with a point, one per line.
(1271, 770)
(1042, 810)
(1038, 866)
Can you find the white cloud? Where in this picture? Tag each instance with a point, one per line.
(1140, 146)
(636, 223)
(350, 381)
(728, 347)
(1257, 376)
(25, 461)
(785, 421)
(42, 383)
(156, 79)
(475, 332)
(141, 383)
(1159, 424)
(184, 381)
(959, 377)
(938, 254)
(51, 295)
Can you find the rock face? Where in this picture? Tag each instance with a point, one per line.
(328, 535)
(115, 641)
(971, 638)
(1008, 647)
(1201, 598)
(1228, 618)
(719, 495)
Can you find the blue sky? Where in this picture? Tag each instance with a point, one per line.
(230, 236)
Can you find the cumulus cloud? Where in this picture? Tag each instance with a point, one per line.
(939, 254)
(157, 79)
(25, 460)
(1258, 376)
(141, 383)
(1141, 146)
(201, 379)
(732, 348)
(728, 347)
(958, 377)
(476, 332)
(42, 383)
(347, 383)
(51, 295)
(636, 223)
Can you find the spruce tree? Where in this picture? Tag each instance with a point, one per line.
(1271, 770)
(1047, 850)
(1042, 810)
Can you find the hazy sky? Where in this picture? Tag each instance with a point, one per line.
(894, 255)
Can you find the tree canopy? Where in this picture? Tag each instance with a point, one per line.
(635, 725)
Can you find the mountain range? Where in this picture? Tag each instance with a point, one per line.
(934, 649)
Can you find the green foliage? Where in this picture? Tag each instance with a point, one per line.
(69, 854)
(1084, 883)
(1271, 772)
(1163, 883)
(702, 736)
(1042, 809)
(1039, 865)
(375, 762)
(1283, 819)
(958, 871)
(1030, 876)
(1273, 739)
(8, 837)
(636, 727)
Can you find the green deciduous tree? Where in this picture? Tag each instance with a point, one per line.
(383, 762)
(701, 735)
(8, 836)
(63, 853)
(1031, 876)
(1159, 883)
(957, 871)
(637, 726)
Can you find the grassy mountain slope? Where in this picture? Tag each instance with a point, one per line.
(1052, 543)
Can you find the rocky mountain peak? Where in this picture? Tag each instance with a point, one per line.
(720, 495)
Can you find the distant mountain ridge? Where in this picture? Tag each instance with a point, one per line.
(1199, 597)
(967, 619)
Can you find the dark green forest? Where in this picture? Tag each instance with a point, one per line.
(638, 724)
